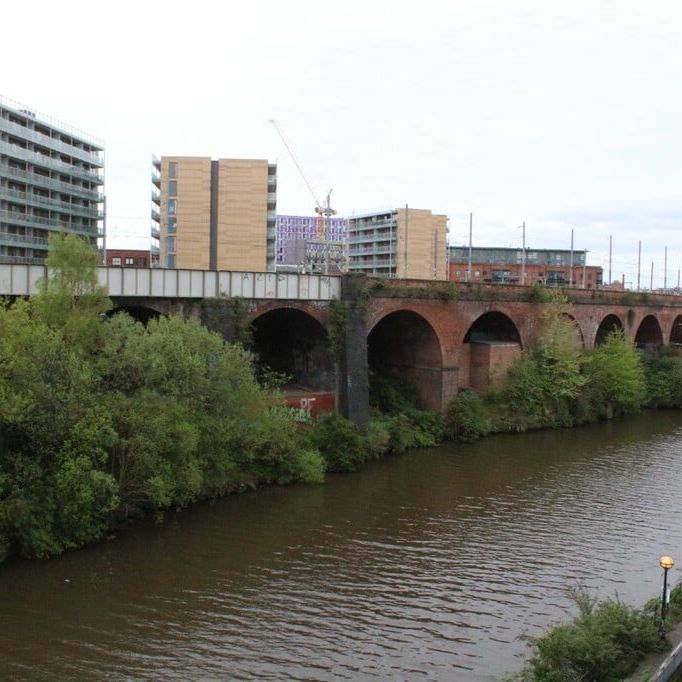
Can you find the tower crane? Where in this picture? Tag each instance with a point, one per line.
(323, 211)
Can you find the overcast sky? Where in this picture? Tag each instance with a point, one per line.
(560, 114)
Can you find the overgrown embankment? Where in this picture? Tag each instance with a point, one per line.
(603, 643)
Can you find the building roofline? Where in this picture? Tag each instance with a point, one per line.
(30, 113)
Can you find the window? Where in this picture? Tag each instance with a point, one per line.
(172, 188)
(172, 169)
(172, 223)
(116, 261)
(129, 261)
(172, 206)
(170, 260)
(170, 244)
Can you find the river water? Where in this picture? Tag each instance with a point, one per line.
(431, 565)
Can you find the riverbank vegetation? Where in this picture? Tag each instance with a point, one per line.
(604, 643)
(103, 418)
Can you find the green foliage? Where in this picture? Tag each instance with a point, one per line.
(337, 326)
(391, 396)
(663, 372)
(104, 417)
(467, 418)
(615, 374)
(604, 643)
(543, 387)
(340, 443)
(71, 299)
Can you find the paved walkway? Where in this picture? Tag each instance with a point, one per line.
(649, 665)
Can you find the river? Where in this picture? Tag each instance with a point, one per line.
(431, 565)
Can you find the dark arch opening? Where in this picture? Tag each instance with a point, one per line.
(676, 331)
(137, 312)
(491, 346)
(493, 326)
(404, 347)
(608, 325)
(579, 339)
(293, 343)
(649, 335)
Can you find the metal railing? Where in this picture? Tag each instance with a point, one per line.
(49, 183)
(23, 239)
(17, 218)
(52, 204)
(18, 152)
(50, 142)
(28, 112)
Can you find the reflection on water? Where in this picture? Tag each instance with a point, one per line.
(427, 565)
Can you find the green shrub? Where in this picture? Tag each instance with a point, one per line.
(467, 418)
(663, 373)
(390, 395)
(340, 443)
(604, 643)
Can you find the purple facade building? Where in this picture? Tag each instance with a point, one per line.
(293, 231)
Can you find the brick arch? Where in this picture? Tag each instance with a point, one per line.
(291, 341)
(676, 331)
(320, 313)
(608, 324)
(649, 333)
(141, 313)
(403, 345)
(580, 338)
(490, 346)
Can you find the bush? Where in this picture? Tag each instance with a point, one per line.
(339, 442)
(604, 643)
(391, 396)
(664, 379)
(467, 418)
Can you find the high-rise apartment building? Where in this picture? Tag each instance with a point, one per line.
(215, 214)
(404, 242)
(51, 179)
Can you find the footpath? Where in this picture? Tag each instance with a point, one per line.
(662, 667)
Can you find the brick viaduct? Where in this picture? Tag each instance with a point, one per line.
(441, 336)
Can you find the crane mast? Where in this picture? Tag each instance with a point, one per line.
(322, 247)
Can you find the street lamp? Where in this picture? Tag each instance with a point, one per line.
(666, 563)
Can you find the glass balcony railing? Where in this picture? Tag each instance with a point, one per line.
(22, 239)
(22, 260)
(156, 233)
(17, 152)
(95, 158)
(49, 183)
(27, 219)
(51, 204)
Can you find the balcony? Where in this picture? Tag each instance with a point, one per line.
(17, 152)
(22, 260)
(156, 197)
(156, 216)
(156, 233)
(16, 218)
(94, 158)
(50, 204)
(22, 240)
(50, 183)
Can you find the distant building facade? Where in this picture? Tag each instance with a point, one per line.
(506, 266)
(128, 258)
(214, 214)
(404, 242)
(293, 232)
(51, 180)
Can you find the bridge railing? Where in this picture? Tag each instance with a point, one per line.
(22, 280)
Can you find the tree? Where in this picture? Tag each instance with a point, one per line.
(71, 298)
(616, 376)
